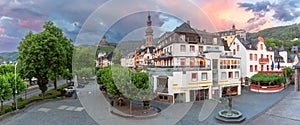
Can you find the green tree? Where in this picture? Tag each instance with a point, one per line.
(43, 55)
(117, 58)
(134, 86)
(16, 83)
(7, 69)
(1, 58)
(5, 90)
(84, 61)
(288, 73)
(61, 54)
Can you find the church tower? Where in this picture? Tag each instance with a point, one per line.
(149, 32)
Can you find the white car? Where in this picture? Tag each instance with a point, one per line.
(70, 89)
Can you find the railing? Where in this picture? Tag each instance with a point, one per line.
(178, 68)
(263, 60)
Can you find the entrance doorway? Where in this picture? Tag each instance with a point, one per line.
(179, 97)
(197, 95)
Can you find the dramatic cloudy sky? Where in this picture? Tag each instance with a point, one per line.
(18, 17)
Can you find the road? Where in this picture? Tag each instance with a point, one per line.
(33, 91)
(92, 109)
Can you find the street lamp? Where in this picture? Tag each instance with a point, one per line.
(16, 91)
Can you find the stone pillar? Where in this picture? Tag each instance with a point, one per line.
(210, 92)
(239, 89)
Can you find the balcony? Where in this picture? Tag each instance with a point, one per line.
(263, 60)
(162, 90)
(177, 68)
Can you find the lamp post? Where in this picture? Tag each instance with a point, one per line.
(16, 91)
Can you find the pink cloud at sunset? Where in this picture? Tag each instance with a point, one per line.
(225, 13)
(2, 30)
(35, 24)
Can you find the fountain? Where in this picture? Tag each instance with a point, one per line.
(230, 115)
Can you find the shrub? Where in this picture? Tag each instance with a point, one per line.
(23, 102)
(265, 78)
(6, 108)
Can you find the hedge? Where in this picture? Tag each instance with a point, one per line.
(51, 94)
(6, 108)
(273, 78)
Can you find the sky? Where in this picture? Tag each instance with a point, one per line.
(86, 21)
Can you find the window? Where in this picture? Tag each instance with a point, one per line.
(268, 68)
(234, 64)
(261, 47)
(200, 48)
(251, 58)
(271, 57)
(204, 40)
(233, 51)
(251, 68)
(182, 61)
(222, 64)
(267, 56)
(204, 76)
(192, 62)
(236, 75)
(255, 57)
(182, 48)
(237, 47)
(194, 77)
(230, 75)
(182, 37)
(255, 68)
(261, 55)
(223, 75)
(192, 48)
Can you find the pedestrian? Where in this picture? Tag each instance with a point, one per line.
(75, 94)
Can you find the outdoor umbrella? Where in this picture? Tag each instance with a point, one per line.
(272, 65)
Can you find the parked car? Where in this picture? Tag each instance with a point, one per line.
(70, 89)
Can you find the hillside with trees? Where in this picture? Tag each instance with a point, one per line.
(281, 35)
(9, 56)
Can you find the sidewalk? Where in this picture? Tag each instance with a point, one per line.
(286, 112)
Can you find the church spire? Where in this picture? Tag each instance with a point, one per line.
(149, 32)
(149, 22)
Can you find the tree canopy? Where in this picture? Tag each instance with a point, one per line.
(84, 61)
(119, 81)
(45, 55)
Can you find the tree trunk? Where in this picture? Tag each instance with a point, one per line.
(26, 91)
(30, 81)
(1, 105)
(130, 107)
(14, 95)
(55, 83)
